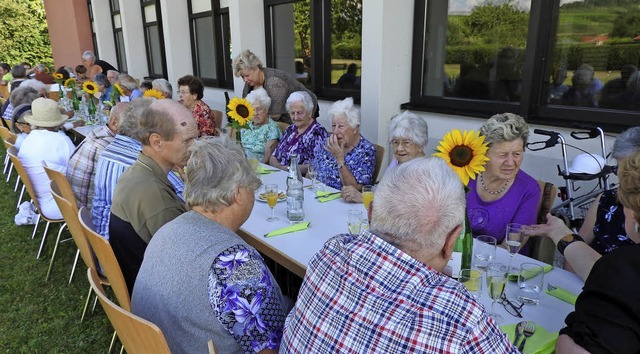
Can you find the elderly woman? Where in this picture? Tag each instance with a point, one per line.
(94, 65)
(605, 317)
(104, 87)
(45, 143)
(302, 136)
(347, 158)
(263, 133)
(408, 136)
(164, 87)
(198, 279)
(279, 84)
(22, 97)
(191, 92)
(503, 194)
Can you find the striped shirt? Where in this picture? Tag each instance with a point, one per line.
(114, 160)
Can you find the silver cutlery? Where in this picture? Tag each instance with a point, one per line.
(529, 330)
(519, 331)
(327, 195)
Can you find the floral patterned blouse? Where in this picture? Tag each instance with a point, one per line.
(204, 117)
(608, 231)
(361, 161)
(244, 300)
(254, 138)
(302, 144)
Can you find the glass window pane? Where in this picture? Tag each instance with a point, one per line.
(115, 5)
(150, 13)
(205, 44)
(117, 21)
(476, 49)
(595, 56)
(154, 52)
(198, 6)
(292, 39)
(346, 43)
(122, 54)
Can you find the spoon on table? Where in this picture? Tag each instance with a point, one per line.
(519, 331)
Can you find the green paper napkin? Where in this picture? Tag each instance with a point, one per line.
(563, 295)
(291, 228)
(329, 196)
(265, 170)
(514, 277)
(541, 342)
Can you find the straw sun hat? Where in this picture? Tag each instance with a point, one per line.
(45, 113)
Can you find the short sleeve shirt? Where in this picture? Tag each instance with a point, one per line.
(254, 137)
(303, 145)
(361, 162)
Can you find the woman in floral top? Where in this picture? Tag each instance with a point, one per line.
(190, 92)
(302, 136)
(263, 133)
(347, 158)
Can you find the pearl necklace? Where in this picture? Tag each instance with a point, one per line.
(499, 191)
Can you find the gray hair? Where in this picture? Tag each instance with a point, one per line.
(17, 117)
(626, 143)
(345, 107)
(35, 84)
(300, 96)
(163, 86)
(130, 118)
(246, 60)
(633, 85)
(18, 71)
(505, 127)
(259, 96)
(101, 79)
(216, 169)
(40, 67)
(127, 81)
(408, 125)
(435, 207)
(88, 55)
(23, 95)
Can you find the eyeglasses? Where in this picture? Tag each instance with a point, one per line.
(183, 92)
(404, 143)
(510, 306)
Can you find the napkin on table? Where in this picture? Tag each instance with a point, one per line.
(563, 295)
(514, 277)
(329, 196)
(541, 342)
(287, 229)
(265, 170)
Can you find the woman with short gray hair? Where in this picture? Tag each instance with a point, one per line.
(201, 250)
(262, 134)
(503, 193)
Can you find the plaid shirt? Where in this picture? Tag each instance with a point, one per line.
(115, 159)
(81, 170)
(363, 295)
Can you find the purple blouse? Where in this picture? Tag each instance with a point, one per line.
(518, 205)
(302, 144)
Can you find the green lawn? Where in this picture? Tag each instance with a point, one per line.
(38, 316)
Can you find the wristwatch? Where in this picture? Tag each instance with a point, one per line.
(340, 165)
(567, 240)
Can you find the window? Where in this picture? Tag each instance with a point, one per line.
(554, 62)
(154, 41)
(211, 42)
(116, 22)
(93, 30)
(323, 49)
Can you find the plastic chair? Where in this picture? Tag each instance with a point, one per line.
(217, 118)
(283, 126)
(5, 135)
(13, 155)
(379, 159)
(136, 334)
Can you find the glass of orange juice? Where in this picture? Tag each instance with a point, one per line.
(367, 196)
(271, 193)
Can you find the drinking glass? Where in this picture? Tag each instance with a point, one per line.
(472, 280)
(484, 251)
(530, 283)
(367, 196)
(313, 175)
(496, 281)
(271, 193)
(513, 238)
(354, 221)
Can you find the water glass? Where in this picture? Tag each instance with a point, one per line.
(484, 251)
(472, 280)
(354, 221)
(530, 283)
(313, 175)
(514, 236)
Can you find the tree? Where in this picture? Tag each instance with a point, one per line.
(23, 33)
(502, 24)
(302, 26)
(626, 25)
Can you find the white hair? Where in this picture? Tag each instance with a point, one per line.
(300, 96)
(163, 86)
(35, 84)
(345, 107)
(259, 96)
(127, 81)
(417, 204)
(88, 55)
(408, 125)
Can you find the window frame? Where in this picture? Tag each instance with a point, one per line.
(533, 105)
(145, 29)
(115, 11)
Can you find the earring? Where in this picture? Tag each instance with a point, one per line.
(636, 227)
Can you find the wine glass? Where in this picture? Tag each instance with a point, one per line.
(271, 193)
(484, 251)
(514, 236)
(472, 280)
(354, 221)
(367, 196)
(496, 282)
(313, 175)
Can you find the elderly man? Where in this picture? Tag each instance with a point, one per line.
(42, 75)
(115, 159)
(198, 276)
(129, 87)
(95, 66)
(144, 199)
(112, 76)
(384, 290)
(81, 171)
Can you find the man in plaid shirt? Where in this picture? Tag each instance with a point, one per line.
(383, 291)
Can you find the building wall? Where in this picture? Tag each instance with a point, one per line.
(69, 30)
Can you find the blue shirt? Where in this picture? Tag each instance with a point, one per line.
(115, 159)
(361, 162)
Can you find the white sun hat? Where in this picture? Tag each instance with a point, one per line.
(587, 163)
(45, 113)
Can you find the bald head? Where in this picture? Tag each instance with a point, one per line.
(165, 117)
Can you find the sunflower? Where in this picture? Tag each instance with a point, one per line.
(70, 83)
(118, 89)
(58, 76)
(240, 110)
(90, 87)
(154, 93)
(465, 152)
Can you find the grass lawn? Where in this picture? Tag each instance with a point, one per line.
(38, 316)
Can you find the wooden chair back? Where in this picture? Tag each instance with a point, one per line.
(17, 164)
(136, 334)
(106, 257)
(379, 159)
(283, 126)
(63, 186)
(217, 118)
(6, 134)
(4, 91)
(542, 248)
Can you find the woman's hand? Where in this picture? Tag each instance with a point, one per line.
(336, 149)
(351, 195)
(555, 229)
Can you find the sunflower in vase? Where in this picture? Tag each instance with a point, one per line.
(154, 93)
(90, 88)
(240, 113)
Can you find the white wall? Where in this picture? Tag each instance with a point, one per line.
(133, 34)
(177, 40)
(103, 28)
